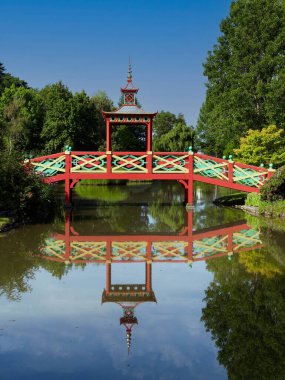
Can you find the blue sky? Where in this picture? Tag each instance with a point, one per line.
(86, 44)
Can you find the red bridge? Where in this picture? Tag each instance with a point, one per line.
(185, 167)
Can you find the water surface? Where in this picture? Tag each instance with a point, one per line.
(206, 288)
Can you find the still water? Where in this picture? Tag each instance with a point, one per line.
(131, 286)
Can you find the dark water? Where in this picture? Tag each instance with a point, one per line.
(201, 292)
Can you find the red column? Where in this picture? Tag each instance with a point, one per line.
(108, 135)
(190, 195)
(149, 136)
(67, 179)
(190, 188)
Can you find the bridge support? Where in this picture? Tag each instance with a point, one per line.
(188, 192)
(68, 193)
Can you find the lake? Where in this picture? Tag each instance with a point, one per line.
(129, 285)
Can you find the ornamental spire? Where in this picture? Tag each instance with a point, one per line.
(130, 72)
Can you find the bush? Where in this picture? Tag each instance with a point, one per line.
(22, 192)
(252, 199)
(274, 189)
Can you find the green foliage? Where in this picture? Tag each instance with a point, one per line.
(245, 72)
(22, 192)
(265, 146)
(21, 115)
(164, 122)
(178, 139)
(7, 80)
(253, 199)
(274, 189)
(101, 103)
(129, 138)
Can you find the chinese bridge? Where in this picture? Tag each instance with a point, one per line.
(185, 167)
(185, 247)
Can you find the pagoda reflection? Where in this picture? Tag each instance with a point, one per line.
(187, 247)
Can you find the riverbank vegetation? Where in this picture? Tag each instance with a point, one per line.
(23, 196)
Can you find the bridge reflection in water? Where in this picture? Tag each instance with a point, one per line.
(186, 247)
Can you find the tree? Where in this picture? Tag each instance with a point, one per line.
(7, 80)
(245, 71)
(84, 119)
(21, 117)
(178, 139)
(265, 146)
(129, 138)
(164, 122)
(57, 128)
(101, 103)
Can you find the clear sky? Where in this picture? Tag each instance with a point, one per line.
(86, 44)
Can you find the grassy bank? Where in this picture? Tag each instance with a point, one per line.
(275, 209)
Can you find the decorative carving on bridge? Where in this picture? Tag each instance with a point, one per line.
(170, 163)
(49, 167)
(211, 168)
(249, 176)
(91, 163)
(129, 163)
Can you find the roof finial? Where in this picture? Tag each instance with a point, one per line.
(130, 76)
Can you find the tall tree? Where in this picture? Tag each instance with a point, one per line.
(7, 80)
(21, 117)
(101, 103)
(178, 139)
(165, 121)
(245, 71)
(57, 130)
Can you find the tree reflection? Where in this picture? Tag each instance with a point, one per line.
(245, 313)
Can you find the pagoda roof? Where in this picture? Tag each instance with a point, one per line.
(129, 110)
(129, 87)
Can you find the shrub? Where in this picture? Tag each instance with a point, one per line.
(274, 189)
(22, 192)
(252, 199)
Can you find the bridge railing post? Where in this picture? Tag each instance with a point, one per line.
(67, 177)
(231, 170)
(149, 162)
(270, 172)
(109, 161)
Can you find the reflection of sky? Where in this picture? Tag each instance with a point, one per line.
(60, 330)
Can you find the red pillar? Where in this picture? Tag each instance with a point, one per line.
(108, 135)
(190, 195)
(67, 179)
(149, 136)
